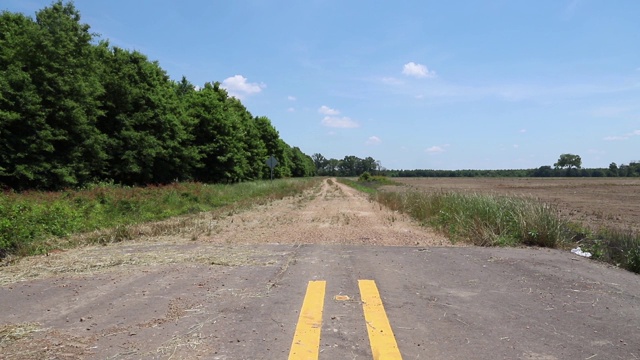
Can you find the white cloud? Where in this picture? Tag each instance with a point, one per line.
(325, 110)
(339, 122)
(291, 109)
(435, 150)
(623, 137)
(417, 70)
(373, 140)
(291, 98)
(239, 87)
(515, 146)
(522, 131)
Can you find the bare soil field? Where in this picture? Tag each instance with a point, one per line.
(593, 202)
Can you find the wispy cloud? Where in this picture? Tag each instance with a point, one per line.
(390, 80)
(443, 90)
(622, 137)
(610, 111)
(435, 150)
(344, 122)
(291, 98)
(373, 140)
(238, 86)
(325, 110)
(291, 109)
(417, 70)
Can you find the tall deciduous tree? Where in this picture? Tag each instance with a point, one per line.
(25, 137)
(50, 88)
(569, 161)
(143, 120)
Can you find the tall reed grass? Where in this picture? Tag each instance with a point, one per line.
(480, 219)
(497, 220)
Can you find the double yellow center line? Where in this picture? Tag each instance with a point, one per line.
(306, 340)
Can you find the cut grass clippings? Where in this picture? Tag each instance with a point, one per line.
(34, 222)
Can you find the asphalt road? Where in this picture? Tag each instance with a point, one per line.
(441, 303)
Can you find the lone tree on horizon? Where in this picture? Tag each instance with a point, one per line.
(568, 161)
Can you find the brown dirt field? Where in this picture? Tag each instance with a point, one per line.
(593, 202)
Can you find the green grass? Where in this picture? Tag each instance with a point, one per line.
(495, 220)
(29, 219)
(367, 183)
(484, 220)
(615, 246)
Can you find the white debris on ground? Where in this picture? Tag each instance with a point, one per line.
(579, 252)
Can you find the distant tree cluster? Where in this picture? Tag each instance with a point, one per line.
(568, 165)
(75, 111)
(348, 166)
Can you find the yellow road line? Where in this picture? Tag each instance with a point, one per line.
(381, 338)
(306, 340)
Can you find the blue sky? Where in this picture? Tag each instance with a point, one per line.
(494, 84)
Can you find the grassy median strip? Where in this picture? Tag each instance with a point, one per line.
(29, 220)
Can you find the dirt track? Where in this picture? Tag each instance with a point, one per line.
(236, 293)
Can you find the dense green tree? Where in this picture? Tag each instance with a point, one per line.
(216, 136)
(25, 136)
(302, 164)
(143, 120)
(52, 61)
(569, 161)
(74, 111)
(255, 150)
(320, 162)
(270, 138)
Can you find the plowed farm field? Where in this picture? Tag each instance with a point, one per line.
(593, 202)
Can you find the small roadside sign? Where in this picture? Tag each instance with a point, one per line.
(271, 163)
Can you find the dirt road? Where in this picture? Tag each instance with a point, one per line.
(238, 293)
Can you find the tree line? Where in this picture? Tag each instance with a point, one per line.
(75, 110)
(568, 165)
(624, 170)
(348, 166)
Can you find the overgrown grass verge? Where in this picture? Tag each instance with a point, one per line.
(358, 186)
(367, 183)
(615, 246)
(29, 220)
(484, 220)
(495, 220)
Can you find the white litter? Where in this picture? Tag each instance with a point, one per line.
(579, 252)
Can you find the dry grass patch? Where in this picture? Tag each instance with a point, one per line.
(10, 333)
(99, 259)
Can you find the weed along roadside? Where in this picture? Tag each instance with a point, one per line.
(504, 220)
(38, 222)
